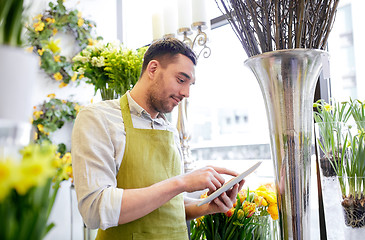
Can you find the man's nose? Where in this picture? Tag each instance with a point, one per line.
(185, 91)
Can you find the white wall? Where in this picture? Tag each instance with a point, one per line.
(65, 214)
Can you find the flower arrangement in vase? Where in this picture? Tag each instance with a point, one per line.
(246, 220)
(111, 68)
(284, 41)
(341, 141)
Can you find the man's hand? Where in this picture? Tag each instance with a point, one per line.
(205, 178)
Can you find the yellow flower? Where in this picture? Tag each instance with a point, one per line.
(40, 51)
(58, 76)
(53, 45)
(51, 95)
(54, 31)
(8, 174)
(74, 77)
(80, 22)
(91, 41)
(327, 107)
(36, 167)
(50, 20)
(67, 159)
(41, 128)
(199, 221)
(79, 14)
(35, 136)
(29, 49)
(77, 108)
(249, 208)
(37, 114)
(260, 201)
(38, 26)
(38, 17)
(81, 76)
(240, 214)
(57, 58)
(62, 85)
(273, 211)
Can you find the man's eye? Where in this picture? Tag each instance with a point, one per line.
(180, 80)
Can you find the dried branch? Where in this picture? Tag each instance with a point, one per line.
(269, 25)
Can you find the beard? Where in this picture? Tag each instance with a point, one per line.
(158, 99)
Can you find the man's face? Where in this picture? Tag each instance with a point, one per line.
(171, 84)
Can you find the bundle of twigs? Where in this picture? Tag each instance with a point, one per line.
(269, 25)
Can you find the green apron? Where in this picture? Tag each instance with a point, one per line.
(150, 156)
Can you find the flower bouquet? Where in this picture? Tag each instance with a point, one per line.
(111, 68)
(246, 220)
(343, 145)
(28, 188)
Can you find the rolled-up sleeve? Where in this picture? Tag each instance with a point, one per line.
(95, 169)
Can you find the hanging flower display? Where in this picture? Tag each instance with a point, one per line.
(51, 116)
(41, 37)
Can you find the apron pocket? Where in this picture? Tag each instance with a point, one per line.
(161, 236)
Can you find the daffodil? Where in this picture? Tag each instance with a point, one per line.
(327, 107)
(53, 46)
(8, 174)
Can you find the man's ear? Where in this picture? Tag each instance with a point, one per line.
(152, 68)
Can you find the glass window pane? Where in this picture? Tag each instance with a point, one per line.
(226, 107)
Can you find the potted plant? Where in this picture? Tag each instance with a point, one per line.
(17, 67)
(330, 121)
(343, 145)
(111, 68)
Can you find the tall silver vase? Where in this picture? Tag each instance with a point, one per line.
(287, 80)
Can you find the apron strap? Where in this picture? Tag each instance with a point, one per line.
(126, 113)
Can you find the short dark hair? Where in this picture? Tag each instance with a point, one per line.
(166, 49)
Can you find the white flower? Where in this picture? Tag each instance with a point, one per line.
(81, 70)
(86, 53)
(98, 61)
(79, 58)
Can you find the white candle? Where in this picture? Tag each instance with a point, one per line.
(157, 26)
(169, 17)
(185, 13)
(199, 11)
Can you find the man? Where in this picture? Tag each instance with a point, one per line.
(126, 159)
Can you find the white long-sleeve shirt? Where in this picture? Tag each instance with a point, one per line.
(98, 143)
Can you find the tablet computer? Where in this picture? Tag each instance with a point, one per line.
(228, 185)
